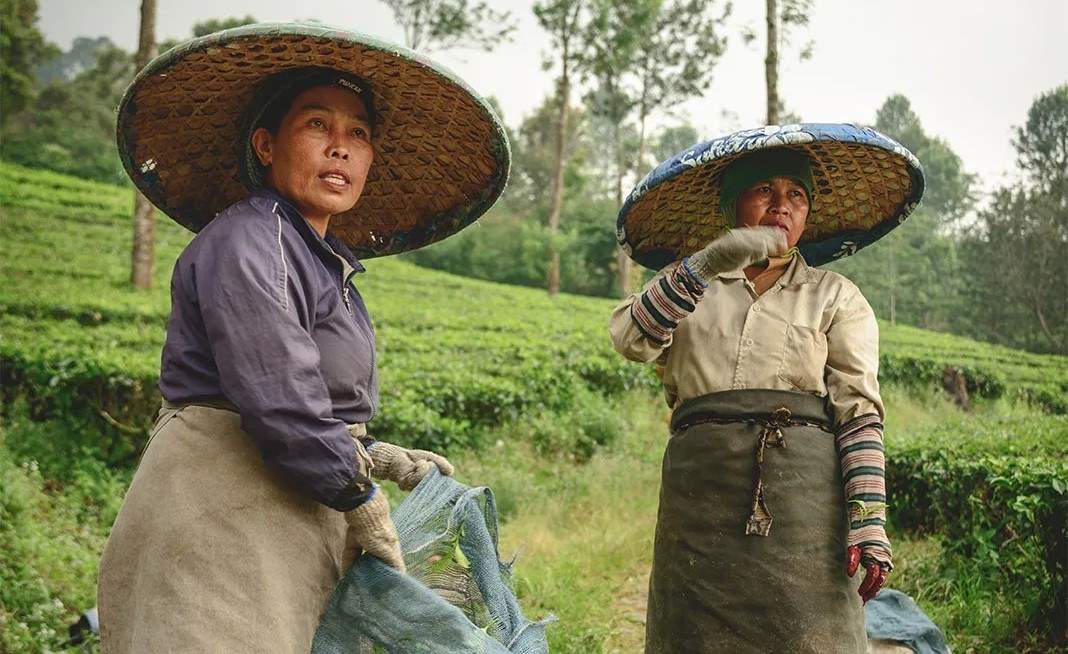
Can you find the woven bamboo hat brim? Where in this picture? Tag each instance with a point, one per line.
(441, 154)
(865, 184)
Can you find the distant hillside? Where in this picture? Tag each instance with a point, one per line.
(456, 353)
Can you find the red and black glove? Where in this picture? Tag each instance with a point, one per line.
(874, 578)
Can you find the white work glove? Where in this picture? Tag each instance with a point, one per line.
(404, 466)
(371, 529)
(736, 249)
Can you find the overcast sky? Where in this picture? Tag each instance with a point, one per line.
(970, 72)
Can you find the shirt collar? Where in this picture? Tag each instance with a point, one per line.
(326, 246)
(798, 272)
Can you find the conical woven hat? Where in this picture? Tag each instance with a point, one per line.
(865, 184)
(441, 155)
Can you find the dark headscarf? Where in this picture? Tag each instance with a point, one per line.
(759, 166)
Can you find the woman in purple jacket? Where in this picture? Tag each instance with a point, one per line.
(254, 493)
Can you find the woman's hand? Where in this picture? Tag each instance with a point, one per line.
(371, 529)
(404, 466)
(875, 576)
(736, 249)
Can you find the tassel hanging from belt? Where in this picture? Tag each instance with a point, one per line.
(760, 518)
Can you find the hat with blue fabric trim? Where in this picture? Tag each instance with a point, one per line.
(863, 184)
(441, 153)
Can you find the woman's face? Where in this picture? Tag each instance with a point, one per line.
(777, 202)
(320, 156)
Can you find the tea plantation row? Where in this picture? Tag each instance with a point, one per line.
(455, 353)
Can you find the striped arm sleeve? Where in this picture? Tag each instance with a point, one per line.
(863, 460)
(672, 297)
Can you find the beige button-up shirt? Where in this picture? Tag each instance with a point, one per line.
(810, 331)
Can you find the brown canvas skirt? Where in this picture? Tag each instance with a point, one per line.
(211, 551)
(716, 589)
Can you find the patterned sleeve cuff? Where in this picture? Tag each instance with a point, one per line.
(863, 461)
(673, 296)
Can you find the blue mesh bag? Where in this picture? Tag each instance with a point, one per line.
(455, 598)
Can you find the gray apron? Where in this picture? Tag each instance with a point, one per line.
(214, 552)
(751, 534)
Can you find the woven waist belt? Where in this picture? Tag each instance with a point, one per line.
(210, 402)
(750, 405)
(772, 411)
(356, 429)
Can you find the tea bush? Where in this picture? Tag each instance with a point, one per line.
(997, 489)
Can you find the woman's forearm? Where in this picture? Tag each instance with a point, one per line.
(643, 325)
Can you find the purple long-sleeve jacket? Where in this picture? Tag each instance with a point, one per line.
(264, 315)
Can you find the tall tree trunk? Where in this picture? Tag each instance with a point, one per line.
(413, 29)
(771, 63)
(557, 199)
(144, 236)
(621, 257)
(643, 115)
(1043, 325)
(629, 275)
(893, 289)
(625, 272)
(1064, 331)
(639, 165)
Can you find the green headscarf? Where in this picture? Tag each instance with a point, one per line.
(758, 166)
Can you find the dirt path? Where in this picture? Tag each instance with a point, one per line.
(628, 629)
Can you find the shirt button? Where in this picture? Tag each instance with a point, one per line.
(749, 342)
(741, 385)
(756, 308)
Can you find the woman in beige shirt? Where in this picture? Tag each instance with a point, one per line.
(771, 368)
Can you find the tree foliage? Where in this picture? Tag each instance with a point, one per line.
(70, 127)
(673, 140)
(22, 49)
(1042, 144)
(913, 274)
(82, 56)
(445, 24)
(533, 159)
(676, 58)
(209, 26)
(509, 243)
(1016, 259)
(212, 25)
(563, 20)
(949, 193)
(795, 15)
(999, 273)
(615, 34)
